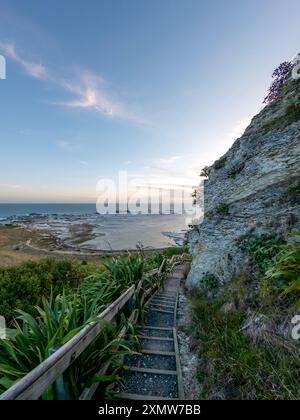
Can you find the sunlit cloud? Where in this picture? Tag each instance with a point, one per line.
(11, 186)
(91, 94)
(88, 90)
(36, 70)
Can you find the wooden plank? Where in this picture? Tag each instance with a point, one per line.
(161, 311)
(147, 327)
(150, 337)
(128, 396)
(164, 298)
(151, 371)
(154, 305)
(178, 367)
(175, 310)
(158, 352)
(37, 381)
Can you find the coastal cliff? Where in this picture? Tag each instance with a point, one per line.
(252, 189)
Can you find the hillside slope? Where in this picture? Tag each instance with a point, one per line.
(254, 187)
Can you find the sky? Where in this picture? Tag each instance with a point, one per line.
(156, 88)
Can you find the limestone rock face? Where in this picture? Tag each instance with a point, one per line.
(252, 188)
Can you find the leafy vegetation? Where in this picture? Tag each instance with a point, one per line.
(220, 163)
(261, 249)
(285, 271)
(291, 114)
(205, 171)
(222, 209)
(292, 195)
(24, 286)
(60, 317)
(210, 281)
(280, 75)
(241, 354)
(235, 170)
(231, 365)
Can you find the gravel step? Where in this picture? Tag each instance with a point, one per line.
(151, 361)
(151, 384)
(159, 319)
(161, 345)
(156, 332)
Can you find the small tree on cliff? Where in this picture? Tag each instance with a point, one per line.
(280, 76)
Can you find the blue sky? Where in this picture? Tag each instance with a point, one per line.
(158, 88)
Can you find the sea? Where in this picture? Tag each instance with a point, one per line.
(111, 231)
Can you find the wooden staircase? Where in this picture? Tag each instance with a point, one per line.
(155, 373)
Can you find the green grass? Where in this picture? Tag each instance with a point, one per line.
(8, 226)
(231, 365)
(291, 115)
(235, 363)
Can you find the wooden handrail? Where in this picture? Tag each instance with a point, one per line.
(32, 386)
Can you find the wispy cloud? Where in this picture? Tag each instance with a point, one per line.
(67, 146)
(88, 90)
(164, 164)
(36, 70)
(90, 93)
(11, 186)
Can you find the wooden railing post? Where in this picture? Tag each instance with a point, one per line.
(59, 387)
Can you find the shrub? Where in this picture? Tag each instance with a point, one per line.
(23, 286)
(291, 115)
(210, 281)
(60, 317)
(261, 249)
(220, 162)
(235, 170)
(292, 195)
(280, 75)
(285, 271)
(222, 209)
(205, 171)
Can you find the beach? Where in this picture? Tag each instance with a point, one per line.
(85, 235)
